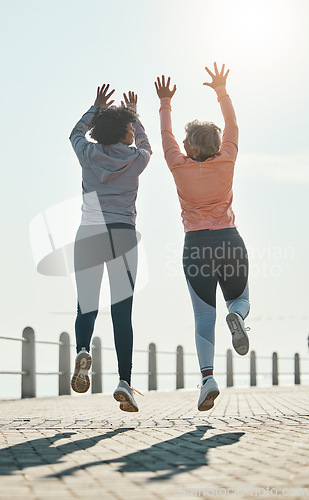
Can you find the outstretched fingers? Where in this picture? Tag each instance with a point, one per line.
(133, 97)
(130, 100)
(209, 72)
(108, 95)
(163, 87)
(104, 88)
(217, 78)
(102, 91)
(158, 82)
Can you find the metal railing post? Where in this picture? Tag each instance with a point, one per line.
(96, 377)
(296, 369)
(180, 380)
(64, 380)
(229, 369)
(152, 368)
(28, 387)
(275, 369)
(252, 368)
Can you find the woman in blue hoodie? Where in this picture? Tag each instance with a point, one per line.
(110, 171)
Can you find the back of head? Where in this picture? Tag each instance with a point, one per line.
(109, 125)
(205, 136)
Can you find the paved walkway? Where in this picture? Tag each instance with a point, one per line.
(254, 443)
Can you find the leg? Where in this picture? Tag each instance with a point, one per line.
(122, 274)
(205, 319)
(241, 304)
(202, 284)
(202, 287)
(88, 265)
(234, 284)
(234, 277)
(84, 326)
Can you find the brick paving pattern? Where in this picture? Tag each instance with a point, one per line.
(254, 443)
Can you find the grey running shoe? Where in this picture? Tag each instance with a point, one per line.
(80, 381)
(240, 338)
(124, 395)
(209, 392)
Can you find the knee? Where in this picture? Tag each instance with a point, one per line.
(87, 314)
(122, 307)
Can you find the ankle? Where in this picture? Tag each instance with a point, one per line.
(207, 377)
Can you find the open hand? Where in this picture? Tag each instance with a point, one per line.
(102, 96)
(217, 78)
(130, 102)
(163, 89)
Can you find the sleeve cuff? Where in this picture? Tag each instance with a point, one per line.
(165, 102)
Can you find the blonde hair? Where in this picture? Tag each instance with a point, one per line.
(205, 136)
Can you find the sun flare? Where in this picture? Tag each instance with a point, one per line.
(252, 21)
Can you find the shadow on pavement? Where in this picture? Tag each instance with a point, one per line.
(37, 452)
(175, 456)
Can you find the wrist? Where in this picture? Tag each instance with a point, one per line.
(220, 88)
(132, 106)
(220, 91)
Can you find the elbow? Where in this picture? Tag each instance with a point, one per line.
(71, 136)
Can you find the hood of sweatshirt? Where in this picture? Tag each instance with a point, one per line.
(108, 162)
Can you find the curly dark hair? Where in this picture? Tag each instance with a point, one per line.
(109, 125)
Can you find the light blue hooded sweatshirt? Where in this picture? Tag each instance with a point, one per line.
(109, 174)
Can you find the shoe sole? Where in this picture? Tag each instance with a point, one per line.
(125, 401)
(240, 338)
(80, 381)
(208, 402)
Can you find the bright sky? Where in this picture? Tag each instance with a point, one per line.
(55, 54)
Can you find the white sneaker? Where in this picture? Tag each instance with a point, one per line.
(209, 392)
(124, 394)
(80, 381)
(240, 338)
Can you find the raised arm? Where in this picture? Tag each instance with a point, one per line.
(77, 136)
(140, 137)
(172, 153)
(230, 133)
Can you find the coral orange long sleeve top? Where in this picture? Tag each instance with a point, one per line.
(204, 188)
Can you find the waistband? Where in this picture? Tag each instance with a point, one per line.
(120, 225)
(212, 233)
(102, 227)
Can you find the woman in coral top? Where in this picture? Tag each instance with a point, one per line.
(214, 252)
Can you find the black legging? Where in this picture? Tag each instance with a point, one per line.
(215, 256)
(211, 257)
(115, 245)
